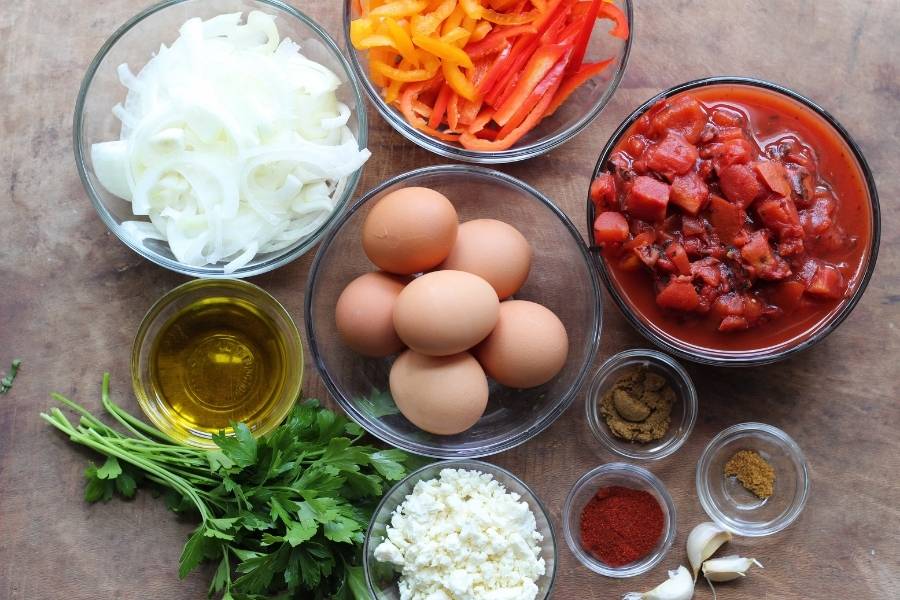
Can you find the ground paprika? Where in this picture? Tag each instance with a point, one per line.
(620, 525)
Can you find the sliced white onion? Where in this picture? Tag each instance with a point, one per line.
(232, 144)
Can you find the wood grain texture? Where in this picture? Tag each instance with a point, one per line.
(71, 298)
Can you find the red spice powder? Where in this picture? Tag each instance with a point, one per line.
(620, 525)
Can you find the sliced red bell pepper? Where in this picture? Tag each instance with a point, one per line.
(453, 112)
(541, 63)
(407, 99)
(610, 11)
(483, 118)
(574, 81)
(440, 106)
(495, 40)
(581, 42)
(550, 81)
(496, 69)
(472, 142)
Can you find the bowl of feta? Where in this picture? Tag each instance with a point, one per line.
(464, 530)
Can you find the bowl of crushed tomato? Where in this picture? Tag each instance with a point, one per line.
(734, 221)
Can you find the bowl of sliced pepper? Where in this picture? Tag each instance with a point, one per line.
(489, 81)
(734, 221)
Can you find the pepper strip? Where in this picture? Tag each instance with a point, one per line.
(443, 50)
(411, 95)
(402, 42)
(399, 74)
(440, 106)
(495, 41)
(399, 8)
(458, 80)
(584, 36)
(574, 81)
(552, 80)
(610, 11)
(539, 65)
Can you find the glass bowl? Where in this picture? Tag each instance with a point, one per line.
(628, 476)
(684, 411)
(730, 505)
(209, 292)
(561, 278)
(134, 43)
(382, 579)
(818, 330)
(573, 116)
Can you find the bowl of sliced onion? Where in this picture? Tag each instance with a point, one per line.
(220, 137)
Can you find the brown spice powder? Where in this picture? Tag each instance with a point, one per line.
(753, 471)
(638, 406)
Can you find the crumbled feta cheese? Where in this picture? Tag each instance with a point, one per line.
(462, 536)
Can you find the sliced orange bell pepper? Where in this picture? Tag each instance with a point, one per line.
(458, 80)
(453, 112)
(480, 32)
(399, 8)
(401, 74)
(409, 96)
(443, 50)
(402, 42)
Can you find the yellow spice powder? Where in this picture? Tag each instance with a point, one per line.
(753, 471)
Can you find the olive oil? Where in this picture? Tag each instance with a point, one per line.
(216, 361)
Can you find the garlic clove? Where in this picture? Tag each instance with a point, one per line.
(728, 567)
(702, 543)
(679, 586)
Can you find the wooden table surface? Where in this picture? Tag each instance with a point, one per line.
(72, 295)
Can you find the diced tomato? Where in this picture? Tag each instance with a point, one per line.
(802, 190)
(827, 283)
(817, 219)
(791, 246)
(647, 199)
(684, 115)
(690, 193)
(642, 239)
(693, 247)
(780, 215)
(603, 192)
(733, 323)
(758, 256)
(678, 295)
(730, 304)
(679, 258)
(635, 145)
(727, 117)
(774, 175)
(834, 239)
(729, 152)
(786, 295)
(740, 184)
(726, 218)
(673, 155)
(610, 227)
(730, 133)
(648, 254)
(707, 270)
(689, 225)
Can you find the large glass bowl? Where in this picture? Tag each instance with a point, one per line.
(818, 331)
(561, 278)
(382, 579)
(134, 43)
(573, 116)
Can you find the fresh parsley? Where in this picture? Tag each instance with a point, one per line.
(281, 516)
(7, 380)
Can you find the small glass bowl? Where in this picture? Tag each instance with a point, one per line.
(205, 290)
(570, 119)
(139, 39)
(684, 411)
(382, 578)
(730, 505)
(817, 331)
(561, 278)
(627, 476)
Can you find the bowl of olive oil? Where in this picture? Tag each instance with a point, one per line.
(213, 352)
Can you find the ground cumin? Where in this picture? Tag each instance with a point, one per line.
(638, 406)
(753, 471)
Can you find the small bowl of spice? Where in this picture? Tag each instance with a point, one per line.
(619, 520)
(752, 479)
(641, 404)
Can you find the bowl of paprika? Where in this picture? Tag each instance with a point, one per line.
(619, 520)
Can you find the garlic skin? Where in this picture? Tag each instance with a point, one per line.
(679, 586)
(728, 567)
(703, 542)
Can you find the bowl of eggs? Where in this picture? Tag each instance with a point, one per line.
(453, 311)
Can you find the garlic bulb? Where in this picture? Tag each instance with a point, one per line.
(679, 586)
(702, 543)
(728, 567)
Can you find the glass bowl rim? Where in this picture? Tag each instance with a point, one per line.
(514, 154)
(383, 434)
(794, 452)
(284, 403)
(469, 464)
(212, 272)
(667, 505)
(594, 418)
(763, 356)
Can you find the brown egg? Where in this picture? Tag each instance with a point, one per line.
(364, 314)
(445, 312)
(410, 230)
(527, 348)
(440, 394)
(494, 250)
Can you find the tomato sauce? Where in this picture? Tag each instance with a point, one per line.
(733, 218)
